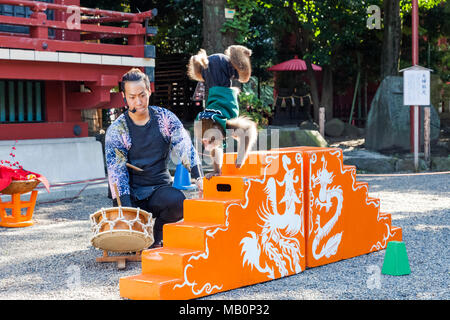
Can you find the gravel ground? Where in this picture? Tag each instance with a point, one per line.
(53, 259)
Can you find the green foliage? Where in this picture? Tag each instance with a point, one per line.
(240, 24)
(179, 22)
(251, 106)
(336, 32)
(179, 27)
(265, 90)
(434, 25)
(406, 5)
(251, 27)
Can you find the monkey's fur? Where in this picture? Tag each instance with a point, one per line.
(212, 136)
(209, 132)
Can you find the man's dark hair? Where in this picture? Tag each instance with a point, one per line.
(134, 75)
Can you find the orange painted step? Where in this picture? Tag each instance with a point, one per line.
(346, 167)
(204, 210)
(147, 286)
(224, 188)
(374, 201)
(386, 217)
(359, 184)
(397, 233)
(188, 235)
(166, 261)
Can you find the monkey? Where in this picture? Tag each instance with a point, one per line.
(222, 108)
(213, 136)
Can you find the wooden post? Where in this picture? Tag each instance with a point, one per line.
(322, 121)
(137, 39)
(426, 133)
(414, 110)
(416, 137)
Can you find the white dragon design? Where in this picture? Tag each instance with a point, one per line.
(324, 178)
(277, 238)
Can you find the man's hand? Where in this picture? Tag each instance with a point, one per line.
(186, 162)
(199, 183)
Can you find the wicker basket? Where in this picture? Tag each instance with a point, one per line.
(20, 186)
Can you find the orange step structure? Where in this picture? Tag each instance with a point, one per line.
(342, 220)
(283, 211)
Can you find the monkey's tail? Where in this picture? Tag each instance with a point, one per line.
(246, 124)
(241, 122)
(196, 64)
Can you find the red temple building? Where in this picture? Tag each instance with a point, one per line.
(50, 59)
(58, 59)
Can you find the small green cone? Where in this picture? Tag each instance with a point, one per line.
(396, 259)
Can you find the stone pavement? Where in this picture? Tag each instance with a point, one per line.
(70, 191)
(367, 161)
(354, 152)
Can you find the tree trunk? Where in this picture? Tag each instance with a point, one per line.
(214, 40)
(94, 120)
(391, 39)
(303, 36)
(302, 43)
(327, 92)
(314, 90)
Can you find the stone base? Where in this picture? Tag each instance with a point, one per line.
(59, 160)
(440, 163)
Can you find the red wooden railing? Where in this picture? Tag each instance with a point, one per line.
(85, 23)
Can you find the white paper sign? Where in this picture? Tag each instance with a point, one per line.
(416, 87)
(229, 13)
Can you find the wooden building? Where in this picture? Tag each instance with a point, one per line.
(57, 59)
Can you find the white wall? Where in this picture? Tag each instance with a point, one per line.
(59, 160)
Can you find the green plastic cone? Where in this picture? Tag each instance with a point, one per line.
(396, 259)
